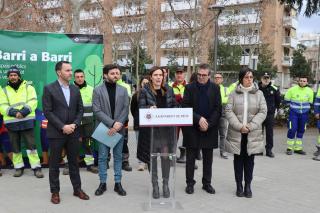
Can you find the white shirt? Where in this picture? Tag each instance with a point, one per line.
(66, 92)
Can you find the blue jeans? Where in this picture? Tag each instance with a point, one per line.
(102, 161)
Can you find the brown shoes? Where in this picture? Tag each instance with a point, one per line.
(55, 198)
(81, 194)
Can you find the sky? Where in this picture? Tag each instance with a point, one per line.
(308, 25)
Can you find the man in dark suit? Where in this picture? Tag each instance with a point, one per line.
(62, 106)
(204, 97)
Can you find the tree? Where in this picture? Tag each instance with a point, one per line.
(138, 59)
(17, 9)
(76, 6)
(228, 58)
(300, 66)
(192, 23)
(265, 63)
(312, 6)
(172, 64)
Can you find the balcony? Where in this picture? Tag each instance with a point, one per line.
(182, 61)
(290, 22)
(178, 5)
(241, 40)
(239, 19)
(290, 42)
(126, 11)
(287, 61)
(90, 14)
(236, 2)
(175, 43)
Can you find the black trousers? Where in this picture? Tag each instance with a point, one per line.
(125, 148)
(192, 154)
(268, 127)
(72, 150)
(243, 163)
(16, 139)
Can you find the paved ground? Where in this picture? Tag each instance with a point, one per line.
(284, 184)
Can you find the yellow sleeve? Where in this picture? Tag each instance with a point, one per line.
(32, 101)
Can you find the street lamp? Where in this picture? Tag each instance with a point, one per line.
(218, 9)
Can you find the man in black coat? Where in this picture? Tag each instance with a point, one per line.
(204, 97)
(62, 106)
(273, 98)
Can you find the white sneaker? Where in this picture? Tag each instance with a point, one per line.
(140, 167)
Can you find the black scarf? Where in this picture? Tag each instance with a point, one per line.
(81, 85)
(203, 100)
(15, 85)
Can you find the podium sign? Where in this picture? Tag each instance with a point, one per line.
(162, 124)
(153, 117)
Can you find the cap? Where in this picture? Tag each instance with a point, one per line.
(180, 69)
(266, 74)
(13, 69)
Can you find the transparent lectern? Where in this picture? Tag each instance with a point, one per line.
(163, 144)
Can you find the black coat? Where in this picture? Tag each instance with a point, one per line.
(57, 111)
(273, 97)
(146, 100)
(192, 136)
(134, 108)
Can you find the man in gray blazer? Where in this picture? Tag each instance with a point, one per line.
(110, 104)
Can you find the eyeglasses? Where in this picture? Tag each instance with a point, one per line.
(248, 77)
(266, 77)
(218, 77)
(202, 75)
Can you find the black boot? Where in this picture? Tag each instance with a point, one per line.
(101, 189)
(118, 188)
(199, 156)
(165, 188)
(239, 191)
(317, 153)
(126, 166)
(247, 190)
(182, 158)
(155, 190)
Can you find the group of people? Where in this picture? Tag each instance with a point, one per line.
(232, 118)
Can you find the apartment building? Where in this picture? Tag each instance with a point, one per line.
(263, 22)
(312, 53)
(152, 25)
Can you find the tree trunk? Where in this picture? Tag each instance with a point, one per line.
(137, 63)
(189, 72)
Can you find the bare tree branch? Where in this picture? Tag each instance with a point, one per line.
(13, 13)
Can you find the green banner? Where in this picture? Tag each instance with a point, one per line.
(36, 54)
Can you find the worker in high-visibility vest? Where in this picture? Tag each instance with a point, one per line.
(178, 87)
(300, 99)
(87, 122)
(125, 151)
(232, 87)
(317, 115)
(18, 101)
(223, 122)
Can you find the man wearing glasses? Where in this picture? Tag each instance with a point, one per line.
(273, 98)
(204, 97)
(299, 98)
